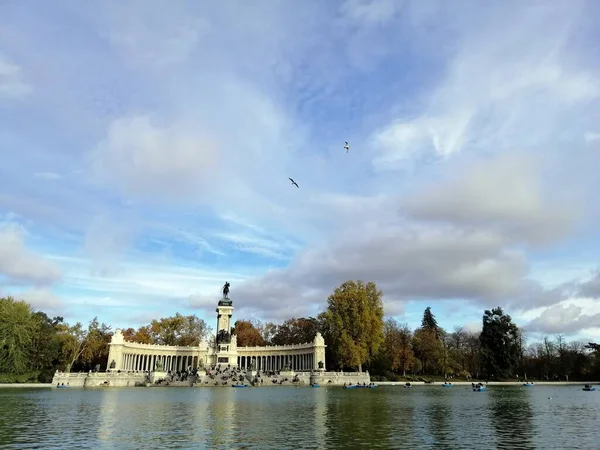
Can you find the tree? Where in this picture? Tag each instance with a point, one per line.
(97, 344)
(428, 349)
(499, 343)
(18, 330)
(267, 331)
(296, 331)
(247, 334)
(429, 322)
(178, 330)
(353, 323)
(396, 351)
(73, 340)
(45, 352)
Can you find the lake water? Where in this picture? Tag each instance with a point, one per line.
(388, 417)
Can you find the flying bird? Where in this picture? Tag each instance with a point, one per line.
(294, 183)
(347, 146)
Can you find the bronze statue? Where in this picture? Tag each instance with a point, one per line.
(223, 337)
(226, 290)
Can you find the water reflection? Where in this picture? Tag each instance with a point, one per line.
(512, 418)
(278, 418)
(319, 397)
(358, 418)
(220, 423)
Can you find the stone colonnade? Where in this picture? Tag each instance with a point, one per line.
(131, 356)
(299, 357)
(145, 362)
(298, 362)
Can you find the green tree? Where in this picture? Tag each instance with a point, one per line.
(499, 344)
(296, 331)
(178, 330)
(429, 322)
(73, 343)
(429, 350)
(353, 323)
(18, 330)
(96, 349)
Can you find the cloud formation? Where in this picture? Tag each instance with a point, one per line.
(18, 264)
(152, 164)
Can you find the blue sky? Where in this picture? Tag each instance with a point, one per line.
(146, 149)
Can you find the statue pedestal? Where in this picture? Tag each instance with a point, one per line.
(157, 376)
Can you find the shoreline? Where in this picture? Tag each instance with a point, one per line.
(490, 383)
(379, 383)
(25, 385)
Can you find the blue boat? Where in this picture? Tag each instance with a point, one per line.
(479, 389)
(407, 386)
(62, 387)
(352, 386)
(588, 388)
(315, 385)
(371, 386)
(239, 385)
(528, 384)
(447, 385)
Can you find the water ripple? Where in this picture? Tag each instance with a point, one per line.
(294, 418)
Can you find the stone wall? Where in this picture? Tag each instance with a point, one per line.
(98, 379)
(339, 378)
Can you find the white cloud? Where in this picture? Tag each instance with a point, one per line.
(504, 193)
(568, 317)
(44, 300)
(591, 136)
(194, 118)
(145, 160)
(12, 81)
(21, 265)
(504, 88)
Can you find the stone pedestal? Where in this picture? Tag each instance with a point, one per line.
(157, 376)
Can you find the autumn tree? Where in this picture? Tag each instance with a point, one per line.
(296, 331)
(353, 323)
(396, 353)
(428, 349)
(96, 348)
(499, 344)
(248, 335)
(178, 330)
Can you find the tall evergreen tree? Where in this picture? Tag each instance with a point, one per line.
(500, 344)
(429, 322)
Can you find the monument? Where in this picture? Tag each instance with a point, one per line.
(223, 351)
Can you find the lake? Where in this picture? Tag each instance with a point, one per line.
(388, 417)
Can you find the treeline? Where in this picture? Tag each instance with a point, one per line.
(358, 337)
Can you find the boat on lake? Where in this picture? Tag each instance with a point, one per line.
(239, 385)
(446, 384)
(478, 387)
(315, 385)
(588, 388)
(407, 386)
(527, 384)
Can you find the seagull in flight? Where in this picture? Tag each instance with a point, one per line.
(294, 183)
(347, 146)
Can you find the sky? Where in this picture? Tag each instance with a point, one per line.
(147, 147)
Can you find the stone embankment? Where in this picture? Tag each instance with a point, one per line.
(490, 383)
(213, 377)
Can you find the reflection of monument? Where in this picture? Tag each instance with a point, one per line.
(127, 356)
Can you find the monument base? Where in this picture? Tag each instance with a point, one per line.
(157, 376)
